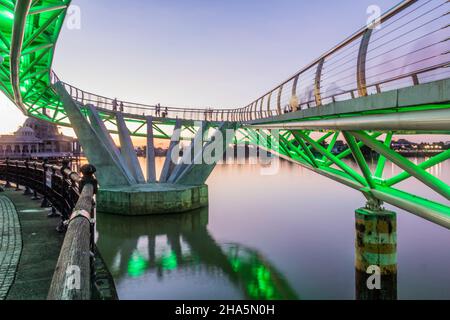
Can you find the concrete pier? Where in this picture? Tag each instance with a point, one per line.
(148, 199)
(376, 255)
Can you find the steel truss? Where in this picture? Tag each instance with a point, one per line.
(314, 150)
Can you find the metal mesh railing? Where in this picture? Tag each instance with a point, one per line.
(114, 105)
(409, 46)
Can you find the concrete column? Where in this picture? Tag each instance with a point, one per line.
(197, 173)
(194, 151)
(127, 149)
(151, 165)
(109, 171)
(376, 255)
(102, 132)
(168, 163)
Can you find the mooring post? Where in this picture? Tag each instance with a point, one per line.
(376, 254)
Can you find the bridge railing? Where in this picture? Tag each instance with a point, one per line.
(73, 196)
(74, 272)
(158, 111)
(57, 184)
(407, 46)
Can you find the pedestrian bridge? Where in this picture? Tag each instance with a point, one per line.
(388, 79)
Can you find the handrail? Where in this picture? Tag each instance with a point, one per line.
(400, 7)
(73, 196)
(107, 104)
(58, 185)
(73, 272)
(428, 58)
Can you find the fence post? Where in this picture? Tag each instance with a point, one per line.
(17, 177)
(44, 203)
(35, 180)
(8, 183)
(27, 191)
(53, 214)
(65, 190)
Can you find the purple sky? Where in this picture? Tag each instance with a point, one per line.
(198, 52)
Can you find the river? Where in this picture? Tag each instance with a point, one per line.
(284, 236)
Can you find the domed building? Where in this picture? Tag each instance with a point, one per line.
(38, 139)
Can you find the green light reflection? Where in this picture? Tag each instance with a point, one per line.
(137, 265)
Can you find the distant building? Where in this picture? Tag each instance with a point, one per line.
(38, 139)
(403, 144)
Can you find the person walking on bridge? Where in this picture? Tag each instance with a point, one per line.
(122, 108)
(114, 104)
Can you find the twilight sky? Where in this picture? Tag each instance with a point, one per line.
(198, 52)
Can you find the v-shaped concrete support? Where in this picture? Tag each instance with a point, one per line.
(99, 127)
(169, 164)
(127, 150)
(151, 165)
(109, 171)
(198, 172)
(190, 155)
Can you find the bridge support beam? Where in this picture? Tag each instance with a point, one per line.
(198, 172)
(376, 254)
(110, 171)
(168, 163)
(192, 153)
(127, 149)
(102, 132)
(151, 165)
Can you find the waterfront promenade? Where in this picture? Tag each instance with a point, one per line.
(29, 250)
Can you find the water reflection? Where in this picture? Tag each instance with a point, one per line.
(303, 223)
(135, 247)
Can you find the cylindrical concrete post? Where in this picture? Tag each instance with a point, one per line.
(376, 255)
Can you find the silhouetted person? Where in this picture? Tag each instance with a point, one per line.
(121, 107)
(114, 104)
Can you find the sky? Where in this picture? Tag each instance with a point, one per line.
(199, 53)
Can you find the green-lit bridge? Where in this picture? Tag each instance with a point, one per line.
(389, 78)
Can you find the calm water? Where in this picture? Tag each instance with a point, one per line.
(283, 236)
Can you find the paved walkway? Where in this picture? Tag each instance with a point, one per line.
(10, 244)
(40, 245)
